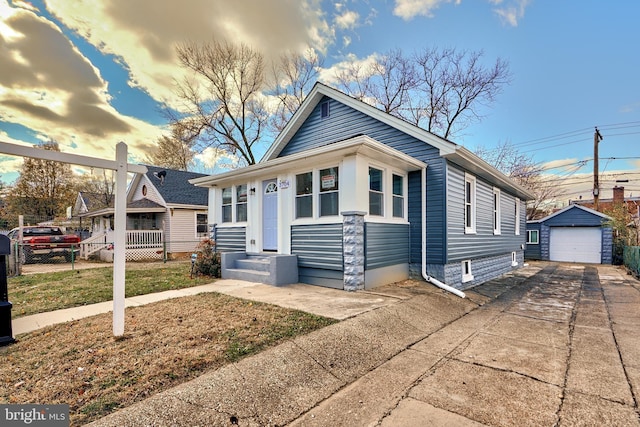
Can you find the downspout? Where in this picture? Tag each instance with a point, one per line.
(424, 243)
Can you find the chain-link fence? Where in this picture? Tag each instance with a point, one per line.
(34, 258)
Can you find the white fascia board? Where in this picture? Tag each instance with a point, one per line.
(320, 90)
(479, 167)
(359, 145)
(563, 210)
(182, 206)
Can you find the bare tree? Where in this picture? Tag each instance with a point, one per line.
(293, 77)
(455, 85)
(441, 91)
(44, 189)
(223, 99)
(173, 151)
(523, 170)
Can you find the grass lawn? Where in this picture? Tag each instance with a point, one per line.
(38, 293)
(166, 343)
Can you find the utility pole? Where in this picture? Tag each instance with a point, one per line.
(597, 137)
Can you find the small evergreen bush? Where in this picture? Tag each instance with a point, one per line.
(208, 260)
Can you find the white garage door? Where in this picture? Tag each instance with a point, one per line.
(576, 244)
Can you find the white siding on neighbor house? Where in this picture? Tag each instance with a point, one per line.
(152, 193)
(181, 230)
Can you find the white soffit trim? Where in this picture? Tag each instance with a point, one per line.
(358, 145)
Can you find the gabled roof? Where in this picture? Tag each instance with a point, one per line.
(561, 211)
(449, 150)
(174, 187)
(94, 201)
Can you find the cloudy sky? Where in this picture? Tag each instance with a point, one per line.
(91, 73)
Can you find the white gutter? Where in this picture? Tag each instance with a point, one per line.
(424, 243)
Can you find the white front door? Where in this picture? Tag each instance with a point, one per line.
(270, 215)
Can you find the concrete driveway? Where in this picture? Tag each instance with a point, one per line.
(547, 345)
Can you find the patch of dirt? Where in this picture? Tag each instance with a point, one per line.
(81, 364)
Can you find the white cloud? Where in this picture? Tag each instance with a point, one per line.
(347, 20)
(408, 9)
(328, 75)
(510, 12)
(143, 34)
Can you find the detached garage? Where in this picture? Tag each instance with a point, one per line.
(573, 234)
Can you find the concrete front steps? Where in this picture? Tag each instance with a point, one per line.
(271, 269)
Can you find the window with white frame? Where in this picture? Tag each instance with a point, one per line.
(202, 229)
(467, 275)
(469, 204)
(376, 194)
(517, 216)
(514, 259)
(496, 211)
(241, 203)
(398, 196)
(227, 204)
(533, 237)
(304, 195)
(329, 195)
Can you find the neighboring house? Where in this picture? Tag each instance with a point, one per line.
(361, 198)
(164, 212)
(573, 234)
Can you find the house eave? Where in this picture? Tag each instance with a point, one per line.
(465, 158)
(361, 144)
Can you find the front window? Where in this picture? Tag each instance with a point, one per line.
(532, 237)
(227, 204)
(469, 204)
(398, 196)
(304, 195)
(329, 192)
(241, 203)
(376, 195)
(201, 225)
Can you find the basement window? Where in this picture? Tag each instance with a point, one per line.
(467, 276)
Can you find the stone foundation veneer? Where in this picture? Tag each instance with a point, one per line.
(353, 249)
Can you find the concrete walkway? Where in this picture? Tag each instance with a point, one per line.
(547, 345)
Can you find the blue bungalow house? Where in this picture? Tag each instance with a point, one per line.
(350, 197)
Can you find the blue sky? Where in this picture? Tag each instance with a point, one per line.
(90, 74)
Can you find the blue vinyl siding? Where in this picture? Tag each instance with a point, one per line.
(386, 245)
(483, 243)
(533, 251)
(230, 239)
(344, 123)
(318, 246)
(574, 218)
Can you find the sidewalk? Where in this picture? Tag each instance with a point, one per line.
(551, 344)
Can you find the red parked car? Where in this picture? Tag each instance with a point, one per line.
(45, 242)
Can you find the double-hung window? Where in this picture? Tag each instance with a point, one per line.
(329, 196)
(532, 237)
(201, 225)
(376, 194)
(241, 203)
(227, 204)
(496, 211)
(304, 195)
(234, 197)
(469, 204)
(398, 196)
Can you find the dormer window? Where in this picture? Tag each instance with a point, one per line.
(324, 110)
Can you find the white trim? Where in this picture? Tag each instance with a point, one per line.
(514, 259)
(529, 241)
(466, 277)
(470, 229)
(496, 211)
(561, 211)
(517, 213)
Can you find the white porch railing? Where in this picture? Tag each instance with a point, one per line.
(141, 244)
